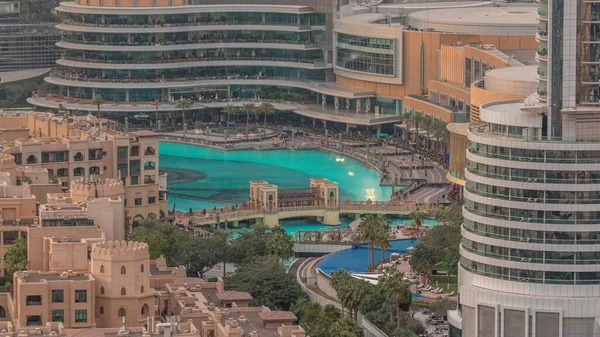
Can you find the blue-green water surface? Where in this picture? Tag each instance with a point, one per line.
(201, 177)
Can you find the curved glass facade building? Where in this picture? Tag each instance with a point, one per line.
(129, 54)
(530, 253)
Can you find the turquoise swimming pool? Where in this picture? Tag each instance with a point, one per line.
(201, 177)
(356, 259)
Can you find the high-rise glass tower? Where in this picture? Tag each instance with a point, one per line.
(530, 254)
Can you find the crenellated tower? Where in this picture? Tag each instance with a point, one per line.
(122, 273)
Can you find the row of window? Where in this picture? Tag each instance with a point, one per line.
(123, 291)
(534, 176)
(58, 156)
(529, 255)
(536, 156)
(139, 201)
(531, 276)
(363, 61)
(533, 216)
(532, 236)
(475, 70)
(198, 37)
(58, 296)
(214, 18)
(448, 101)
(123, 269)
(198, 55)
(533, 196)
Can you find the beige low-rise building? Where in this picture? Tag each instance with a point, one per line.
(81, 147)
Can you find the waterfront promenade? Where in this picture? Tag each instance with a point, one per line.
(419, 180)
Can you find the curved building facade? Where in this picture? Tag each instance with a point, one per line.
(129, 55)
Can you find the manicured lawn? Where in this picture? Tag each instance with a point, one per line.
(442, 282)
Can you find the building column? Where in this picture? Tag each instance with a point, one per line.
(314, 123)
(348, 126)
(126, 95)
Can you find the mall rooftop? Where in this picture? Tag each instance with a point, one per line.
(520, 20)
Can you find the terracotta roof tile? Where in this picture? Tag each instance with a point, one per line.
(234, 296)
(277, 316)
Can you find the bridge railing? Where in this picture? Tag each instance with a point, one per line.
(212, 218)
(301, 208)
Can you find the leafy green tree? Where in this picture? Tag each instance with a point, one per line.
(36, 11)
(324, 321)
(16, 256)
(202, 254)
(423, 259)
(228, 111)
(163, 239)
(280, 244)
(265, 108)
(268, 283)
(184, 104)
(249, 244)
(54, 180)
(442, 305)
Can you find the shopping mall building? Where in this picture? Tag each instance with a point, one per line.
(356, 65)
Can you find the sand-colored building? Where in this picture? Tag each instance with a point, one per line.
(79, 147)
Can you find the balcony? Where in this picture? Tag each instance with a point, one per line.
(149, 181)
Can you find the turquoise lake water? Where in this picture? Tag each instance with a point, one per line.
(201, 177)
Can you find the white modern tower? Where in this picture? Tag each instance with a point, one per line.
(530, 254)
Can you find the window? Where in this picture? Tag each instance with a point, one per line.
(34, 320)
(101, 310)
(122, 313)
(151, 200)
(34, 300)
(101, 290)
(142, 290)
(145, 310)
(102, 269)
(123, 270)
(138, 201)
(58, 296)
(78, 171)
(80, 296)
(78, 156)
(58, 315)
(134, 180)
(142, 268)
(80, 316)
(123, 291)
(2, 312)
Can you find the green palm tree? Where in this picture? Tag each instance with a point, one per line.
(416, 120)
(280, 244)
(417, 216)
(427, 123)
(383, 240)
(397, 291)
(228, 111)
(369, 233)
(340, 280)
(248, 108)
(441, 133)
(183, 104)
(98, 100)
(265, 108)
